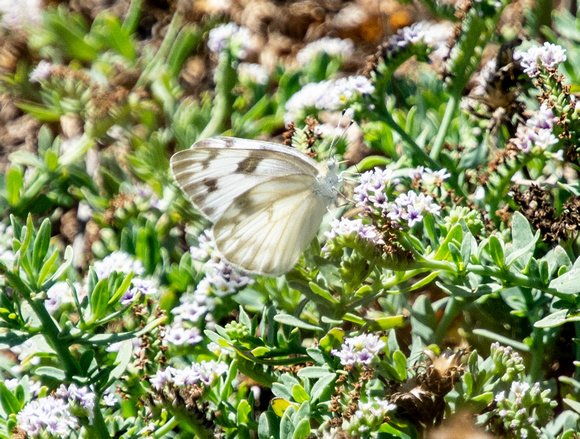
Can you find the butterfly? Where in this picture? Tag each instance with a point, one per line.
(266, 200)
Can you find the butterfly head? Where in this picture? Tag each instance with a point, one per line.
(328, 178)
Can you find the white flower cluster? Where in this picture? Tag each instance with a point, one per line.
(220, 277)
(81, 399)
(538, 131)
(6, 253)
(346, 227)
(21, 13)
(408, 207)
(232, 36)
(331, 46)
(362, 349)
(430, 177)
(330, 95)
(47, 415)
(59, 295)
(206, 373)
(374, 410)
(372, 186)
(548, 56)
(436, 35)
(253, 73)
(119, 262)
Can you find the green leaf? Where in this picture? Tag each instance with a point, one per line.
(314, 372)
(289, 320)
(567, 283)
(99, 300)
(454, 235)
(47, 267)
(9, 402)
(41, 243)
(400, 362)
(13, 185)
(68, 258)
(121, 290)
(524, 241)
(286, 425)
(495, 249)
(333, 339)
(302, 430)
(51, 372)
(385, 323)
(321, 385)
(243, 412)
(557, 318)
(316, 355)
(322, 293)
(122, 361)
(268, 425)
(299, 394)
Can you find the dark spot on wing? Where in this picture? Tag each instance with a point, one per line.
(248, 165)
(211, 184)
(211, 155)
(198, 199)
(209, 211)
(229, 141)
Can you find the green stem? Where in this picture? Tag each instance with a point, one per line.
(479, 31)
(222, 110)
(51, 334)
(98, 429)
(538, 347)
(167, 427)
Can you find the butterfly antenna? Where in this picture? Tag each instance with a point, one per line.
(343, 134)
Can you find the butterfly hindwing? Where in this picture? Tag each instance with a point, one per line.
(266, 229)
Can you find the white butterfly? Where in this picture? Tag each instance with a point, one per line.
(266, 200)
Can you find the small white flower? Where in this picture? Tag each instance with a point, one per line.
(331, 46)
(256, 73)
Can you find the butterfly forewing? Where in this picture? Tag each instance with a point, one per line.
(215, 171)
(266, 200)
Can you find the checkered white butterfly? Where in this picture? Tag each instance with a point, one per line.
(266, 200)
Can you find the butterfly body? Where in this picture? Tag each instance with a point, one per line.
(266, 200)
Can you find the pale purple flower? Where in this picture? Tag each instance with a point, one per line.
(548, 56)
(543, 139)
(41, 72)
(346, 227)
(205, 372)
(128, 298)
(224, 277)
(145, 287)
(332, 46)
(552, 55)
(48, 415)
(361, 349)
(58, 295)
(178, 335)
(231, 36)
(161, 378)
(543, 118)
